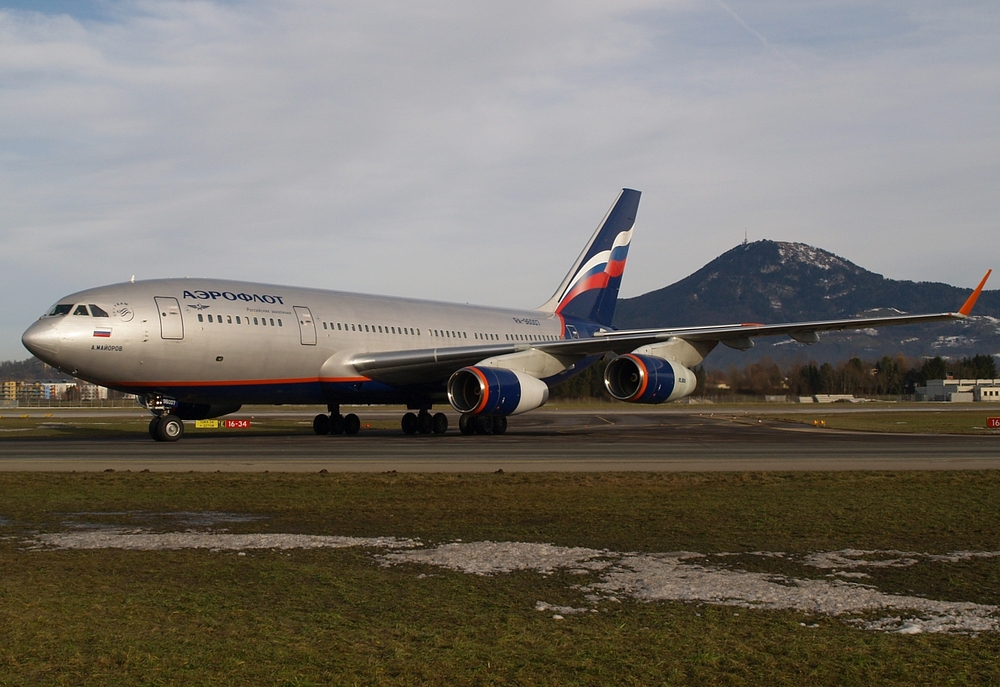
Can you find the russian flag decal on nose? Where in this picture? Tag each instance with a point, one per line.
(103, 332)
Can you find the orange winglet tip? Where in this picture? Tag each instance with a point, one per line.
(970, 302)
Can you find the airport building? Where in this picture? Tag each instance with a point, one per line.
(15, 392)
(960, 390)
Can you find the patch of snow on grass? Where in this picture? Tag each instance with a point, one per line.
(676, 577)
(859, 558)
(214, 541)
(488, 557)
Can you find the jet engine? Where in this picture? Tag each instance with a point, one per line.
(495, 391)
(647, 379)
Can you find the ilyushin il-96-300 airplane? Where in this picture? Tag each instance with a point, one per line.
(200, 348)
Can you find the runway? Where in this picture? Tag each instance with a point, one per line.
(537, 442)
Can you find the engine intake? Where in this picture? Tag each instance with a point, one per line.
(646, 379)
(495, 391)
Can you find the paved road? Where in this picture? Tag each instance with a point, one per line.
(541, 441)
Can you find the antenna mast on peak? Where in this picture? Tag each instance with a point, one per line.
(744, 236)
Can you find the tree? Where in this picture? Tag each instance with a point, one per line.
(977, 367)
(935, 368)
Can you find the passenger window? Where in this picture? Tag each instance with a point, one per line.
(210, 318)
(229, 319)
(279, 321)
(81, 310)
(324, 325)
(200, 318)
(97, 312)
(272, 321)
(237, 319)
(254, 320)
(338, 326)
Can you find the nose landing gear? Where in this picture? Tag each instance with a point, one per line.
(166, 428)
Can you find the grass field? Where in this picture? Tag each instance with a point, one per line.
(338, 616)
(903, 421)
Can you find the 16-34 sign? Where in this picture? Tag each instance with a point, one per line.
(993, 422)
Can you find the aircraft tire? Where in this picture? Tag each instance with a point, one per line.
(337, 424)
(409, 423)
(484, 424)
(467, 424)
(425, 423)
(352, 424)
(153, 425)
(500, 424)
(170, 428)
(440, 423)
(322, 424)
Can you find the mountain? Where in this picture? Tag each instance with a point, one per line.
(776, 281)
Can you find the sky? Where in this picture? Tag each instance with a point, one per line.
(466, 151)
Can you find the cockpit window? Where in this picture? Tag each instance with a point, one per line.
(97, 312)
(81, 310)
(61, 309)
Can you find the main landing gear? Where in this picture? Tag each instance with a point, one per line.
(335, 423)
(424, 423)
(166, 428)
(482, 424)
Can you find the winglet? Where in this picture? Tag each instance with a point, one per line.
(971, 300)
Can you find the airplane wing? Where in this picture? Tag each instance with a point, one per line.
(437, 364)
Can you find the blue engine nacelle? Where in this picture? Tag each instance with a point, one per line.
(645, 379)
(495, 391)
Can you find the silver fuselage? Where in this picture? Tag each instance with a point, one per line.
(216, 341)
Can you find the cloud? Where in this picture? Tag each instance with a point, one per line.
(465, 152)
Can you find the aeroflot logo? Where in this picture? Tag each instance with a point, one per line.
(230, 296)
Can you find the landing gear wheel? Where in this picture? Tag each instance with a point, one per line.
(337, 424)
(467, 424)
(169, 428)
(322, 424)
(153, 424)
(425, 423)
(440, 423)
(409, 423)
(484, 424)
(352, 424)
(500, 424)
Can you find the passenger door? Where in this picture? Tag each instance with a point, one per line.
(307, 328)
(171, 323)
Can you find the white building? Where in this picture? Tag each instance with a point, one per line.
(960, 390)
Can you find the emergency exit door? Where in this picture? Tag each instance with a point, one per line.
(171, 323)
(307, 328)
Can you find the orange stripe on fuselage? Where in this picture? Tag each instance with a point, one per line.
(247, 382)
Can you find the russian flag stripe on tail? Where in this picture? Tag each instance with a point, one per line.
(590, 290)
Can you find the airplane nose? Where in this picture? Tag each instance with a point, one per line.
(42, 340)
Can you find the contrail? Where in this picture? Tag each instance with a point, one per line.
(761, 37)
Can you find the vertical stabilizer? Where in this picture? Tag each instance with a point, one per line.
(590, 289)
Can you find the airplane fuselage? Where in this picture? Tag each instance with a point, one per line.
(216, 341)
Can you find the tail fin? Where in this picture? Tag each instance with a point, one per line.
(590, 290)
